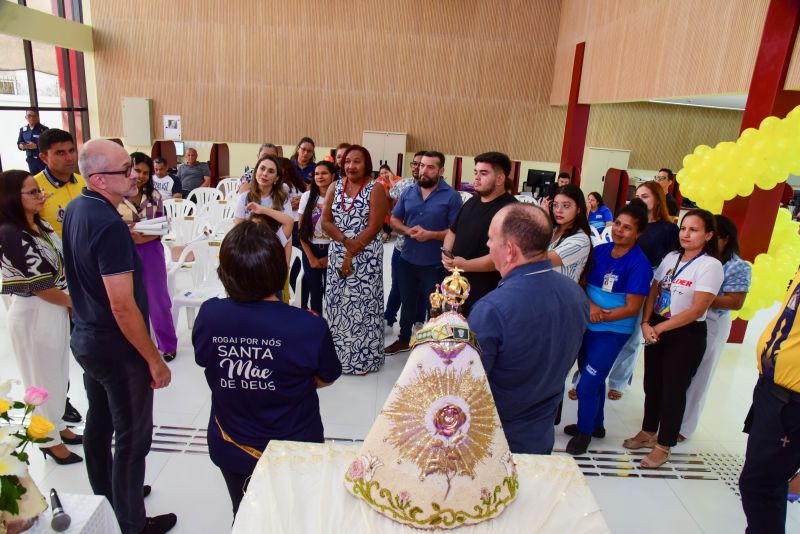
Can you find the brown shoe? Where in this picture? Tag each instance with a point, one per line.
(397, 346)
(641, 440)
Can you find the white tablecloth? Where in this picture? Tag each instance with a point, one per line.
(298, 488)
(90, 514)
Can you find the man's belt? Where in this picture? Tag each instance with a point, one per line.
(780, 392)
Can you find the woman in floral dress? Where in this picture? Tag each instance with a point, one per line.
(353, 216)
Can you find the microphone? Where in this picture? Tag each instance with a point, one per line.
(61, 519)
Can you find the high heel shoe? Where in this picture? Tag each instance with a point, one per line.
(77, 440)
(71, 459)
(647, 463)
(633, 443)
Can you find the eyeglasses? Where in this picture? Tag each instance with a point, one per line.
(33, 193)
(415, 163)
(121, 172)
(562, 205)
(660, 178)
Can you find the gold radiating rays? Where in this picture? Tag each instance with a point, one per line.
(443, 422)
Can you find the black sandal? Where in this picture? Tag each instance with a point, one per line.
(169, 356)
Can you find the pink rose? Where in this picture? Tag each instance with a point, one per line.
(402, 498)
(449, 419)
(356, 471)
(35, 396)
(485, 494)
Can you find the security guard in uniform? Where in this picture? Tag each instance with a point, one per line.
(773, 447)
(28, 141)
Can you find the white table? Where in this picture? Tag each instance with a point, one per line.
(90, 514)
(299, 487)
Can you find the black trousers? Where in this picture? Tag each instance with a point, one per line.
(237, 486)
(771, 460)
(669, 366)
(314, 279)
(120, 404)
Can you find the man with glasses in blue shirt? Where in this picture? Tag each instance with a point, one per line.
(111, 340)
(423, 214)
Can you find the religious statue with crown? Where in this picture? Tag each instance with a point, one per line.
(436, 456)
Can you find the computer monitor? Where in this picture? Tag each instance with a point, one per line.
(178, 148)
(543, 180)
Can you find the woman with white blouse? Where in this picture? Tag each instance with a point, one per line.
(674, 329)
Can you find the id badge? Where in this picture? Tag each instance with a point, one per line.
(608, 282)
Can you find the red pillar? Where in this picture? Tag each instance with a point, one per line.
(577, 122)
(755, 215)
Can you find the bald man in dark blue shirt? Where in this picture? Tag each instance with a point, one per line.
(529, 328)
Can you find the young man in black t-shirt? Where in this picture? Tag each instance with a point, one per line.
(465, 245)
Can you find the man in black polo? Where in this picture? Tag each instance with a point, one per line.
(111, 339)
(28, 141)
(465, 244)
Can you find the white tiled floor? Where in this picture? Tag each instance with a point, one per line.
(191, 486)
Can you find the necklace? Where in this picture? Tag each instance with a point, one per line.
(352, 203)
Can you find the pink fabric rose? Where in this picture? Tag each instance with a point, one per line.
(402, 498)
(449, 419)
(485, 494)
(356, 471)
(35, 396)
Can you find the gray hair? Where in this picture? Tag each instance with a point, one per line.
(94, 157)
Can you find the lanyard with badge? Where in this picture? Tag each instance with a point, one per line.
(664, 297)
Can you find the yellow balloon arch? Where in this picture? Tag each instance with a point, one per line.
(761, 157)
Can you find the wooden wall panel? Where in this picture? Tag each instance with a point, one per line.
(659, 135)
(457, 76)
(641, 49)
(462, 77)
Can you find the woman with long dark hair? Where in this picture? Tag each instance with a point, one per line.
(735, 285)
(32, 268)
(674, 329)
(312, 237)
(147, 204)
(354, 212)
(303, 159)
(571, 243)
(659, 238)
(617, 284)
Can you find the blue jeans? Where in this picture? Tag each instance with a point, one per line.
(120, 403)
(314, 279)
(622, 372)
(595, 358)
(393, 302)
(415, 282)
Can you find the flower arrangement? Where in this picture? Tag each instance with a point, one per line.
(14, 440)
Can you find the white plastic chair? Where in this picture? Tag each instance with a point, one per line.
(205, 283)
(525, 199)
(605, 235)
(229, 188)
(465, 195)
(222, 227)
(178, 207)
(204, 195)
(595, 237)
(294, 296)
